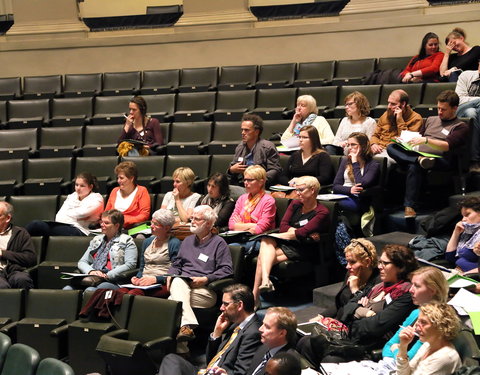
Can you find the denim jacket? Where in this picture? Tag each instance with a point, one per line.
(123, 255)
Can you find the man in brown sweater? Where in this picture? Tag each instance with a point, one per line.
(398, 116)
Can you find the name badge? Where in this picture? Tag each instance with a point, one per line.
(303, 222)
(445, 131)
(388, 299)
(203, 257)
(240, 159)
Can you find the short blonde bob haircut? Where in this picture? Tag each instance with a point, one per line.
(443, 317)
(257, 172)
(184, 174)
(310, 103)
(362, 250)
(310, 182)
(433, 278)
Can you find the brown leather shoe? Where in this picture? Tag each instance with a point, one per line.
(185, 334)
(410, 212)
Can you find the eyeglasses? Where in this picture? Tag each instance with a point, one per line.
(349, 104)
(249, 179)
(197, 218)
(384, 263)
(301, 190)
(227, 303)
(353, 144)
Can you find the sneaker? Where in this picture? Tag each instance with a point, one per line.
(410, 212)
(426, 163)
(185, 334)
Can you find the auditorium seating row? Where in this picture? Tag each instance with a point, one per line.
(20, 359)
(196, 79)
(48, 321)
(272, 104)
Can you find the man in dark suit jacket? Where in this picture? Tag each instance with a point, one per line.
(278, 334)
(233, 342)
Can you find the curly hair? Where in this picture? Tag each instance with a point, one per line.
(443, 317)
(362, 250)
(403, 258)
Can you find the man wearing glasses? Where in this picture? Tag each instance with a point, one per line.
(203, 257)
(233, 342)
(254, 151)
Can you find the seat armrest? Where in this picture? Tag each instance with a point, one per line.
(59, 331)
(218, 285)
(119, 334)
(158, 343)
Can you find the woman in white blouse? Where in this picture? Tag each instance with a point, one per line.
(357, 109)
(81, 208)
(436, 326)
(181, 200)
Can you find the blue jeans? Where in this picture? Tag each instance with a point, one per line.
(472, 110)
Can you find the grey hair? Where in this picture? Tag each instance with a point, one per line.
(164, 217)
(207, 212)
(8, 208)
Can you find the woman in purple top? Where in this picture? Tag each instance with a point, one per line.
(139, 127)
(464, 237)
(300, 230)
(357, 172)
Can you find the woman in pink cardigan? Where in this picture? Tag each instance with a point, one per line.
(255, 210)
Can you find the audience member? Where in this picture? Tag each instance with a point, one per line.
(399, 116)
(300, 230)
(255, 210)
(465, 58)
(468, 90)
(108, 256)
(428, 285)
(157, 254)
(370, 317)
(129, 198)
(440, 135)
(254, 151)
(283, 364)
(424, 67)
(278, 334)
(436, 326)
(362, 275)
(357, 172)
(357, 109)
(310, 160)
(233, 342)
(139, 127)
(16, 252)
(81, 209)
(203, 257)
(181, 200)
(464, 237)
(218, 197)
(306, 113)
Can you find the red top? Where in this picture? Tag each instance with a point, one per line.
(430, 66)
(138, 211)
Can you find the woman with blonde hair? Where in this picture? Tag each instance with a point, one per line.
(181, 200)
(357, 119)
(306, 113)
(464, 58)
(436, 327)
(428, 284)
(300, 230)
